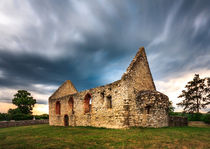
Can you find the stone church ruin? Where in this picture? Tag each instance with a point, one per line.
(131, 101)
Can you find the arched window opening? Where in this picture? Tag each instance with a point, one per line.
(109, 101)
(58, 107)
(71, 104)
(148, 109)
(87, 103)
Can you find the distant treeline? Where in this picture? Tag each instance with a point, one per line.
(205, 117)
(20, 116)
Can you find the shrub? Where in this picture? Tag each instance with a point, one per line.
(14, 111)
(176, 114)
(20, 116)
(173, 113)
(43, 116)
(206, 118)
(4, 117)
(195, 117)
(14, 115)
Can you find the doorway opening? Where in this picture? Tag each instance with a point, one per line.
(66, 120)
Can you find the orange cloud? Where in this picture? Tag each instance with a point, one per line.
(4, 107)
(40, 109)
(37, 110)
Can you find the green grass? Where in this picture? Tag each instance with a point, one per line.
(44, 136)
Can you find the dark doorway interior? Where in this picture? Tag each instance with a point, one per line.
(66, 120)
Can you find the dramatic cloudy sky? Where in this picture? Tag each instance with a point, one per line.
(91, 43)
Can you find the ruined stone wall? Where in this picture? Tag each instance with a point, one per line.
(138, 75)
(100, 115)
(178, 121)
(150, 110)
(131, 97)
(147, 109)
(139, 80)
(22, 123)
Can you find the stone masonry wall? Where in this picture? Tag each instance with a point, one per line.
(65, 89)
(22, 123)
(100, 115)
(135, 101)
(150, 110)
(177, 121)
(138, 75)
(139, 80)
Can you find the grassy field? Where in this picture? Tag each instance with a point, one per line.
(44, 136)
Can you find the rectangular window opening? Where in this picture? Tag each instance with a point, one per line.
(109, 102)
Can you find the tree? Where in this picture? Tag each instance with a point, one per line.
(170, 107)
(24, 102)
(207, 90)
(14, 111)
(195, 96)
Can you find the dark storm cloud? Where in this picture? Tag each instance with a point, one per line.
(24, 70)
(87, 41)
(187, 40)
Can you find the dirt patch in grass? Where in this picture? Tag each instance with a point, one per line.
(198, 124)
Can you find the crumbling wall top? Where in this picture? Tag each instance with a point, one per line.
(139, 72)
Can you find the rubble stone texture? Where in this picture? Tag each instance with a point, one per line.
(131, 101)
